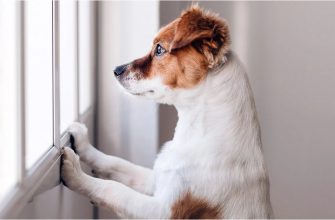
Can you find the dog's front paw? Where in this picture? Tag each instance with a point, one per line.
(71, 173)
(79, 138)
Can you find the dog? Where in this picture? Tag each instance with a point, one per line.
(214, 166)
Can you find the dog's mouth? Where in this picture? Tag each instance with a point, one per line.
(142, 93)
(129, 83)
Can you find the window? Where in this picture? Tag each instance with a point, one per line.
(45, 85)
(68, 62)
(38, 79)
(85, 54)
(8, 97)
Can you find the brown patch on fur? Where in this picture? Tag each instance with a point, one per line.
(189, 207)
(166, 33)
(194, 43)
(206, 31)
(142, 65)
(186, 68)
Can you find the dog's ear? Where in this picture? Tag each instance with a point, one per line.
(208, 33)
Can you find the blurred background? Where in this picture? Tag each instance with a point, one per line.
(56, 67)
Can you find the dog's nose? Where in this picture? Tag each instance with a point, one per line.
(119, 70)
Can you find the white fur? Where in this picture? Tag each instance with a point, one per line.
(215, 154)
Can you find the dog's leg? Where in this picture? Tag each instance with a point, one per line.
(110, 194)
(137, 177)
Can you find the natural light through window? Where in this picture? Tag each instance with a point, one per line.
(8, 97)
(38, 76)
(67, 62)
(85, 52)
(46, 74)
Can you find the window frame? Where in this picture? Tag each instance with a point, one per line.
(44, 173)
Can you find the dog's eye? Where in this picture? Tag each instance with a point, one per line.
(159, 50)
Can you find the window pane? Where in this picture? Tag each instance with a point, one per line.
(38, 55)
(67, 62)
(8, 97)
(86, 55)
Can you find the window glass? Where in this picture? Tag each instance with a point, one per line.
(38, 78)
(8, 97)
(85, 54)
(67, 62)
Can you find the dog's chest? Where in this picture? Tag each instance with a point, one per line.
(171, 159)
(177, 168)
(169, 170)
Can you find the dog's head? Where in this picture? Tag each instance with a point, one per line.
(182, 54)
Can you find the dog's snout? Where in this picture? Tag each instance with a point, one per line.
(119, 70)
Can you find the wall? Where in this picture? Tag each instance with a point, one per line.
(288, 49)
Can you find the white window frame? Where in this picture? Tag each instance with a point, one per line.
(44, 174)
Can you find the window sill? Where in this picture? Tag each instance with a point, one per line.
(43, 176)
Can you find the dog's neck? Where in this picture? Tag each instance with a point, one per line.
(222, 108)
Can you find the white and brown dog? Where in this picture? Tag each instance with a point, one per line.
(214, 166)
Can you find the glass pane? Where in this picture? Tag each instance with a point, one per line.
(67, 62)
(86, 55)
(8, 97)
(38, 69)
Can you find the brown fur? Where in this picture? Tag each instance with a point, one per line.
(189, 207)
(194, 43)
(143, 66)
